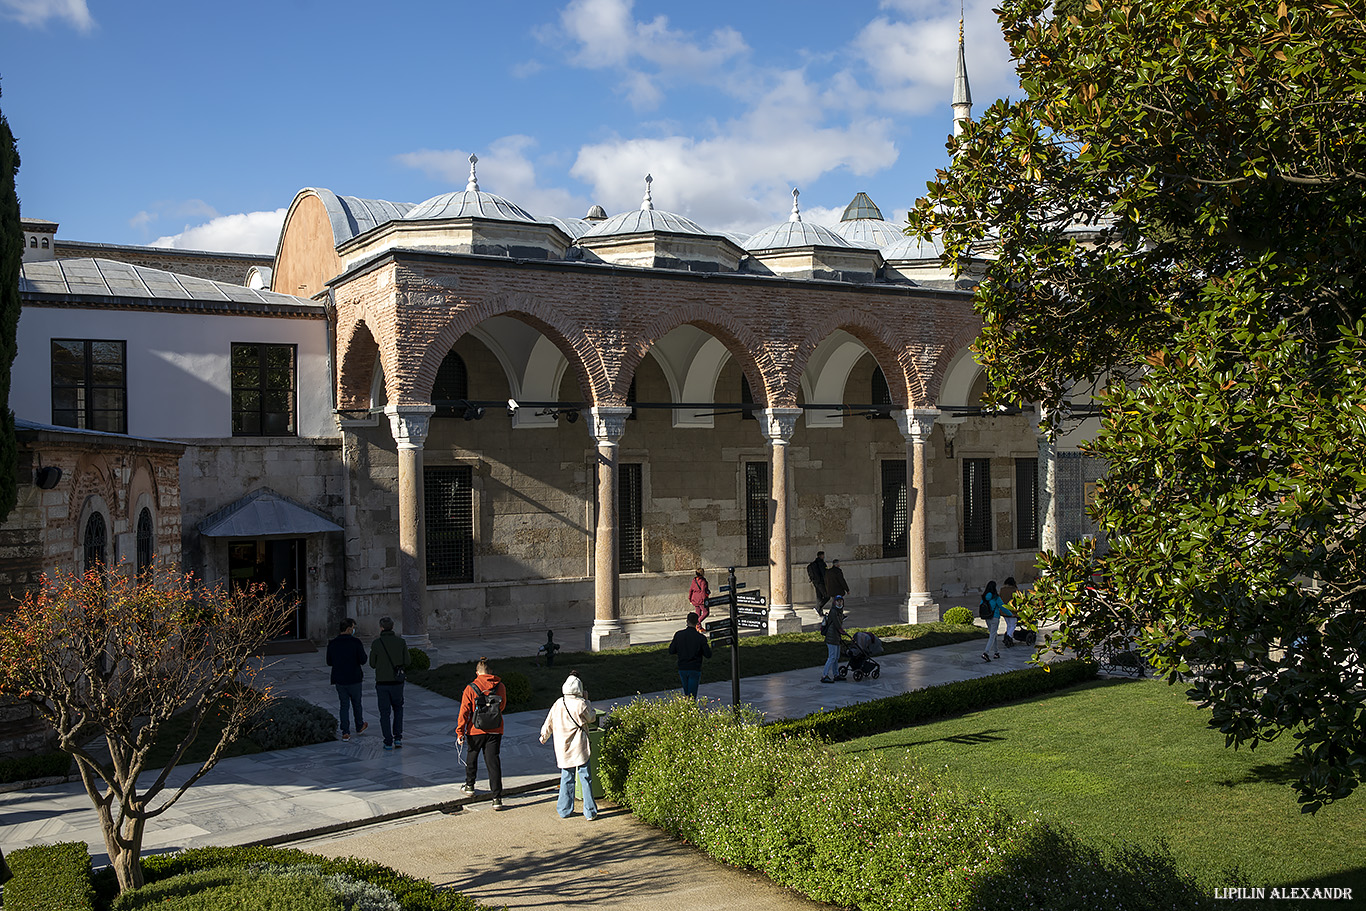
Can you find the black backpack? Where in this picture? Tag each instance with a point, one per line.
(488, 709)
(984, 609)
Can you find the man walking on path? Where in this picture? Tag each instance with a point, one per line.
(815, 571)
(389, 658)
(691, 646)
(481, 723)
(346, 657)
(835, 586)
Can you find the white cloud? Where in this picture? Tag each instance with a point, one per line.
(36, 13)
(505, 168)
(173, 209)
(249, 232)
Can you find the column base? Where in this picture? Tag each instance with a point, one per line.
(783, 619)
(418, 640)
(921, 608)
(605, 636)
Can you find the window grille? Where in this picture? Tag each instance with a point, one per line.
(146, 541)
(757, 527)
(262, 390)
(452, 387)
(895, 514)
(96, 542)
(976, 504)
(630, 531)
(1027, 504)
(90, 384)
(448, 498)
(881, 395)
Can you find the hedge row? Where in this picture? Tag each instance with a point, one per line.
(895, 712)
(28, 768)
(50, 878)
(858, 831)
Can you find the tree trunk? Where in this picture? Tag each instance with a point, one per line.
(125, 853)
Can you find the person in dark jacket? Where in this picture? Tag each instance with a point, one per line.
(691, 646)
(835, 586)
(815, 571)
(833, 631)
(389, 656)
(346, 657)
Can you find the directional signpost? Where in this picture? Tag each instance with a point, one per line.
(748, 610)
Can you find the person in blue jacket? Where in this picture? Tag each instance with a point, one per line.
(992, 601)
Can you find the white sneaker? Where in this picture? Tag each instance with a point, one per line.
(466, 789)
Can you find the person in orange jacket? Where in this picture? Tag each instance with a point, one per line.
(481, 723)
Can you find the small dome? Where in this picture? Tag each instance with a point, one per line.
(646, 220)
(861, 206)
(911, 248)
(597, 213)
(574, 227)
(870, 232)
(468, 203)
(794, 233)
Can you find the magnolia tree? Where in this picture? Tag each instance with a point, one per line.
(107, 657)
(1175, 216)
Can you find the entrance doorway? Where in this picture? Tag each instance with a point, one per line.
(278, 564)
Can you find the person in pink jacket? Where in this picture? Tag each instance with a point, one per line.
(568, 722)
(698, 595)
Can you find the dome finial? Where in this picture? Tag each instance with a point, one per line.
(647, 203)
(473, 185)
(796, 212)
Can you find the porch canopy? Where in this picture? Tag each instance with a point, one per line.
(264, 513)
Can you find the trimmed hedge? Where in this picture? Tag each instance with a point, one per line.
(894, 712)
(27, 768)
(289, 721)
(959, 616)
(518, 686)
(50, 878)
(418, 660)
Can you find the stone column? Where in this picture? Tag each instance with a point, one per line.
(916, 425)
(777, 427)
(609, 424)
(409, 424)
(1048, 486)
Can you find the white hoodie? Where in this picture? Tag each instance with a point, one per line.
(568, 721)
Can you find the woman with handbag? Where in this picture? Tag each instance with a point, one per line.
(568, 722)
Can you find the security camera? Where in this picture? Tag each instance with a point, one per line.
(512, 406)
(571, 416)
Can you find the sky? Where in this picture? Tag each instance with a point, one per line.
(194, 124)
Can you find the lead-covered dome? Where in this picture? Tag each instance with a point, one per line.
(862, 224)
(794, 233)
(468, 203)
(645, 220)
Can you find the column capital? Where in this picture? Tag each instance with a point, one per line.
(778, 424)
(609, 422)
(915, 424)
(409, 424)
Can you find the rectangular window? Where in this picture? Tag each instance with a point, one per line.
(1027, 504)
(90, 384)
(263, 390)
(976, 504)
(895, 514)
(630, 514)
(448, 498)
(757, 528)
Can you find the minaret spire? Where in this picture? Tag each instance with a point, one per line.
(962, 95)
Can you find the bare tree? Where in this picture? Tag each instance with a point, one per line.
(106, 655)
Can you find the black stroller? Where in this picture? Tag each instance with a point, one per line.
(861, 647)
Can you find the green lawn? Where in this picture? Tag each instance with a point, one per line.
(650, 669)
(1134, 761)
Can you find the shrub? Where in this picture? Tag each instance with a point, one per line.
(291, 722)
(959, 616)
(868, 718)
(518, 686)
(418, 660)
(211, 890)
(27, 768)
(50, 878)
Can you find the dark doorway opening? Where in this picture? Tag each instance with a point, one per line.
(278, 564)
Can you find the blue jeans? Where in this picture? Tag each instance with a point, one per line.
(390, 700)
(690, 679)
(348, 694)
(565, 805)
(832, 662)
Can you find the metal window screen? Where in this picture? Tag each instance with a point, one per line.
(630, 531)
(145, 541)
(452, 385)
(1076, 484)
(881, 395)
(895, 515)
(448, 495)
(976, 505)
(757, 529)
(96, 542)
(1027, 503)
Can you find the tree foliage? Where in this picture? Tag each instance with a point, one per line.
(106, 656)
(1177, 211)
(11, 256)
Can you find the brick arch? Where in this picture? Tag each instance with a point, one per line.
(357, 351)
(738, 337)
(898, 362)
(948, 351)
(142, 481)
(583, 356)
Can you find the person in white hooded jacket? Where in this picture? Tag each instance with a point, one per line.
(568, 722)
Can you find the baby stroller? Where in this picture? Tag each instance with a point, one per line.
(862, 646)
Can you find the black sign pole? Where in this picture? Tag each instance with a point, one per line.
(734, 649)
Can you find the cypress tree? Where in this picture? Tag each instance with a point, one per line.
(11, 255)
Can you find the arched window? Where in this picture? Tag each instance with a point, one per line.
(44, 243)
(33, 241)
(880, 394)
(96, 542)
(746, 398)
(452, 385)
(146, 541)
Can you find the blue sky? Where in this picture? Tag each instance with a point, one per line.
(193, 123)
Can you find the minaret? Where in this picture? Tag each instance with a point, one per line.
(962, 95)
